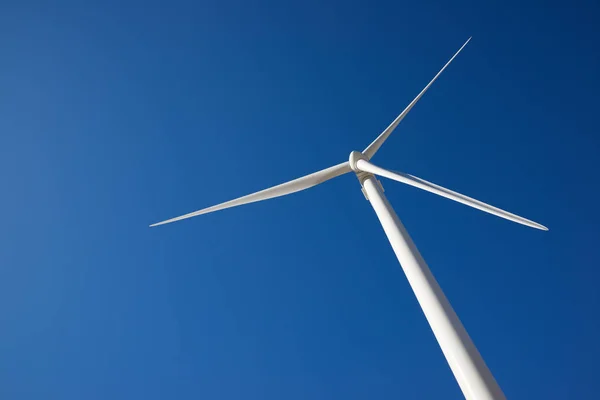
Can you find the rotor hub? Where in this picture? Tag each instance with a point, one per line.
(354, 157)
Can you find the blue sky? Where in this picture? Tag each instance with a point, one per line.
(117, 115)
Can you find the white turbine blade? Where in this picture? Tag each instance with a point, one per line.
(296, 185)
(366, 166)
(373, 147)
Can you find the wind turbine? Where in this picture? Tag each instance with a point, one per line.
(472, 374)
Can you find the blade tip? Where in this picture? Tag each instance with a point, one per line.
(157, 224)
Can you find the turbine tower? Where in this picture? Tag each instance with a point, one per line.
(472, 374)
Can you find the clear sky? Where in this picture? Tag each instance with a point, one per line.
(115, 115)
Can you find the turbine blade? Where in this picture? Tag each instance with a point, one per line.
(373, 147)
(366, 166)
(296, 185)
